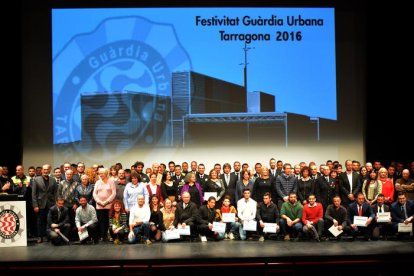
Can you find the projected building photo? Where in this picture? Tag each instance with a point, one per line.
(199, 107)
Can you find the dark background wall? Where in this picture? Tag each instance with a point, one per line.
(384, 29)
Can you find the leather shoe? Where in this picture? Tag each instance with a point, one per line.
(39, 240)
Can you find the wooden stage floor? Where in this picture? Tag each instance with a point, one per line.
(243, 257)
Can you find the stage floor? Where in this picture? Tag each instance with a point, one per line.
(243, 256)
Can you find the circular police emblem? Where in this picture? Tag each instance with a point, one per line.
(11, 223)
(112, 89)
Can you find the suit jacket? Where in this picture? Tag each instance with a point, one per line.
(53, 217)
(326, 190)
(202, 180)
(177, 182)
(353, 211)
(187, 215)
(231, 186)
(43, 196)
(397, 214)
(345, 187)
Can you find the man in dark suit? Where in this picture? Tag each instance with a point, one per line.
(201, 177)
(402, 211)
(380, 228)
(58, 222)
(229, 181)
(349, 184)
(44, 192)
(361, 208)
(186, 213)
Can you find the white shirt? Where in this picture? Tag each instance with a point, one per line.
(139, 214)
(349, 175)
(246, 210)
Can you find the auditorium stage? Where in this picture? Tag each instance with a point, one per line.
(243, 257)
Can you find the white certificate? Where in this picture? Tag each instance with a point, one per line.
(384, 217)
(405, 228)
(208, 194)
(360, 221)
(229, 217)
(184, 231)
(334, 230)
(172, 234)
(250, 225)
(219, 227)
(269, 227)
(83, 235)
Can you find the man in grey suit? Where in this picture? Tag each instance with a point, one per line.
(44, 191)
(349, 184)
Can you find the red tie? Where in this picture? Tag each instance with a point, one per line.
(359, 210)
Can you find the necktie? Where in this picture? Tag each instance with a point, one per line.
(380, 209)
(238, 176)
(327, 179)
(359, 210)
(403, 212)
(59, 214)
(227, 178)
(185, 205)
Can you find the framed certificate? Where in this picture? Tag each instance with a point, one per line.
(270, 227)
(83, 235)
(384, 217)
(334, 230)
(360, 221)
(250, 225)
(405, 228)
(184, 231)
(172, 234)
(219, 227)
(229, 217)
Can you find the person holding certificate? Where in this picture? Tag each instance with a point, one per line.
(58, 225)
(382, 226)
(402, 212)
(247, 208)
(139, 228)
(86, 220)
(207, 215)
(336, 218)
(227, 214)
(267, 217)
(291, 216)
(360, 216)
(312, 218)
(186, 214)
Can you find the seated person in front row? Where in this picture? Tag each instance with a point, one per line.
(58, 222)
(207, 215)
(231, 227)
(139, 217)
(267, 212)
(336, 215)
(312, 218)
(186, 214)
(361, 208)
(156, 219)
(381, 228)
(118, 222)
(291, 216)
(402, 211)
(247, 208)
(86, 219)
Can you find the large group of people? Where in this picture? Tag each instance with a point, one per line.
(72, 203)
